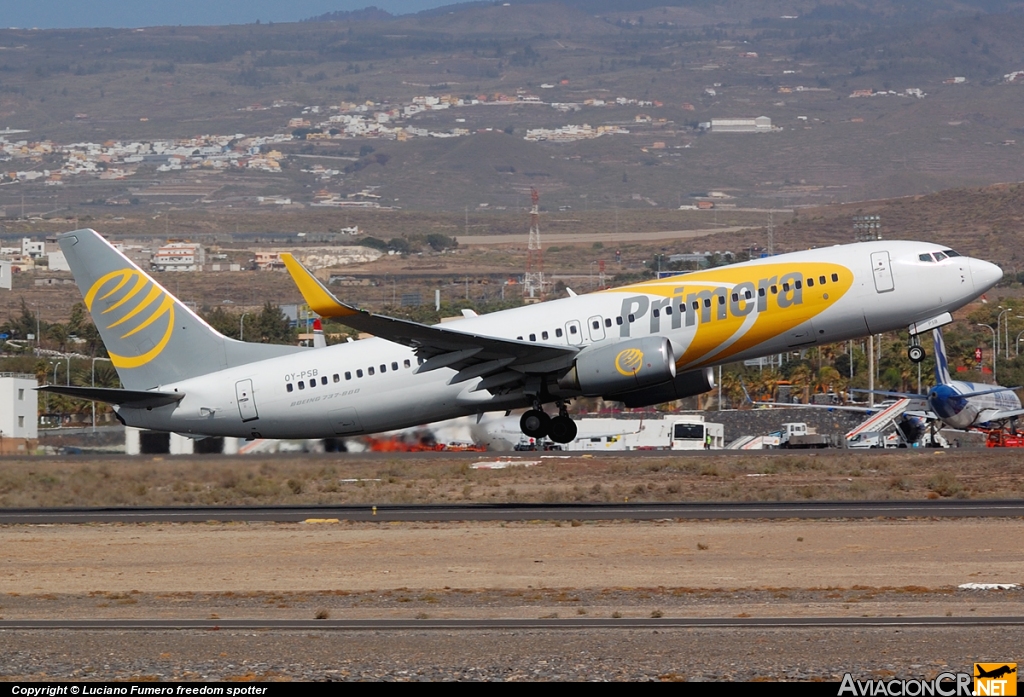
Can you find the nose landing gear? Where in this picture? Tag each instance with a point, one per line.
(915, 352)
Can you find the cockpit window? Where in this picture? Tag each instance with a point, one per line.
(925, 257)
(939, 256)
(950, 253)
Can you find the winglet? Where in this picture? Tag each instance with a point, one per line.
(316, 295)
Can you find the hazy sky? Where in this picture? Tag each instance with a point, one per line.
(50, 14)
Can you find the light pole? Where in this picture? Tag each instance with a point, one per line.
(999, 321)
(1017, 343)
(995, 351)
(241, 326)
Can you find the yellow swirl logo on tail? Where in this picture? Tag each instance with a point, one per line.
(136, 303)
(629, 361)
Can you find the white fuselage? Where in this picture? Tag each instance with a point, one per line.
(742, 311)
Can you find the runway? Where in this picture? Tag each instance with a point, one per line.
(509, 624)
(956, 508)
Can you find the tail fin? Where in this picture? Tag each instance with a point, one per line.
(151, 337)
(942, 376)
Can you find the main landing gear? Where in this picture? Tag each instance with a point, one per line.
(537, 424)
(916, 352)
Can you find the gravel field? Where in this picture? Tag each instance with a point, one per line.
(637, 655)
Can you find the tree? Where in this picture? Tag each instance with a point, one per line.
(273, 327)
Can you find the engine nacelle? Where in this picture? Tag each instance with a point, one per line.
(684, 385)
(622, 367)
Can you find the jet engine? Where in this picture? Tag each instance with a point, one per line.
(622, 367)
(683, 385)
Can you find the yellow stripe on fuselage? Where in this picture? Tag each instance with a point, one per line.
(726, 329)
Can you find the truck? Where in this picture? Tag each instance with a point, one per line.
(672, 432)
(800, 435)
(873, 439)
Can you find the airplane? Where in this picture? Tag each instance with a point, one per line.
(641, 344)
(962, 405)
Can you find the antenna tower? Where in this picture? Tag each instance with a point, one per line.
(533, 281)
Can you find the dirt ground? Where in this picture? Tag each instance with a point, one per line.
(761, 568)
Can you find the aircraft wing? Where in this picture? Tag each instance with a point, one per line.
(830, 407)
(136, 399)
(1003, 415)
(499, 361)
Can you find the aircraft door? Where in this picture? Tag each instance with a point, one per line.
(246, 402)
(573, 332)
(882, 271)
(596, 327)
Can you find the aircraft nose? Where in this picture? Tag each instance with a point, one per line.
(984, 274)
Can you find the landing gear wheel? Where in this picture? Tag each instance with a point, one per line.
(535, 424)
(562, 429)
(915, 354)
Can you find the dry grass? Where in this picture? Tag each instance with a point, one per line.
(412, 479)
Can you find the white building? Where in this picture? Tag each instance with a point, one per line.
(761, 124)
(179, 256)
(32, 248)
(57, 262)
(19, 408)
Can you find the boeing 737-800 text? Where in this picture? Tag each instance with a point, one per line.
(641, 344)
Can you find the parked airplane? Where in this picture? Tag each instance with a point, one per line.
(641, 344)
(963, 405)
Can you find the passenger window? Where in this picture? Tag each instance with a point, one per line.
(835, 278)
(735, 297)
(707, 302)
(289, 387)
(337, 378)
(558, 332)
(597, 325)
(668, 309)
(348, 375)
(533, 337)
(519, 338)
(544, 336)
(821, 280)
(775, 290)
(312, 383)
(323, 380)
(810, 282)
(406, 363)
(696, 305)
(760, 292)
(748, 294)
(721, 299)
(302, 385)
(383, 368)
(370, 371)
(632, 318)
(656, 312)
(608, 321)
(618, 321)
(572, 329)
(785, 287)
(394, 365)
(359, 373)
(798, 284)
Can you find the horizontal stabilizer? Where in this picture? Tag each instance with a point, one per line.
(136, 399)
